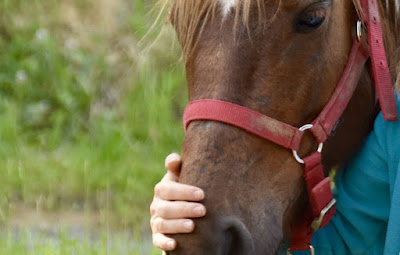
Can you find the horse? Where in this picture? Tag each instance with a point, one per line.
(282, 59)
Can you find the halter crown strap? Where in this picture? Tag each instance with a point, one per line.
(383, 82)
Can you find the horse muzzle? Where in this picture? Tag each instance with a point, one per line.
(227, 236)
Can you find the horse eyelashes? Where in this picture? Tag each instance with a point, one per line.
(310, 21)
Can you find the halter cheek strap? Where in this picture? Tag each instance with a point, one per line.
(322, 203)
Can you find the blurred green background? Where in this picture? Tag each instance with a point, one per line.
(90, 105)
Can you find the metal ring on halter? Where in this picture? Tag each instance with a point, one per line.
(312, 252)
(320, 146)
(359, 30)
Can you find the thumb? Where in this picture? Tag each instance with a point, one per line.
(173, 164)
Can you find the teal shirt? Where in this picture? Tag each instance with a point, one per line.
(367, 220)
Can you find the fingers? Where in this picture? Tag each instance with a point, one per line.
(178, 226)
(173, 163)
(177, 209)
(163, 242)
(170, 208)
(170, 190)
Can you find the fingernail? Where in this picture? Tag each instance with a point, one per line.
(167, 160)
(199, 194)
(170, 244)
(198, 210)
(172, 157)
(188, 225)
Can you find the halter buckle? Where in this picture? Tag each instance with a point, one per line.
(316, 224)
(312, 252)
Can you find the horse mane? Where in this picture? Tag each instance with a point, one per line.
(188, 15)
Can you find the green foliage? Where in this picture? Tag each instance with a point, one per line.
(87, 115)
(53, 87)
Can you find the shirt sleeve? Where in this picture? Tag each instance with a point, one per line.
(363, 202)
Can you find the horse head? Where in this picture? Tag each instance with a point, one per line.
(284, 60)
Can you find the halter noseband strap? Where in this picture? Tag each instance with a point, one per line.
(322, 203)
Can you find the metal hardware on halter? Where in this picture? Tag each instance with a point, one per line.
(312, 252)
(295, 154)
(316, 224)
(359, 30)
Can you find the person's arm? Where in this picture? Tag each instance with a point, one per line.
(363, 201)
(170, 210)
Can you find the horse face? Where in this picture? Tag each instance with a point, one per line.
(283, 59)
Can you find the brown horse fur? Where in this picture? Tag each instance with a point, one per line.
(258, 58)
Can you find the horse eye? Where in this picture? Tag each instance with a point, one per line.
(310, 21)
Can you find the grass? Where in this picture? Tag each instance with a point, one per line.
(62, 243)
(88, 112)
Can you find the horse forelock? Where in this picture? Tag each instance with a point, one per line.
(188, 16)
(227, 6)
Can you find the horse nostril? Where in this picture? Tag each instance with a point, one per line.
(236, 239)
(227, 242)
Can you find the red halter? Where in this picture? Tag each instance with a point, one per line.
(322, 203)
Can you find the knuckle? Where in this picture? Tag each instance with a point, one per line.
(155, 241)
(162, 209)
(152, 224)
(159, 224)
(157, 189)
(153, 208)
